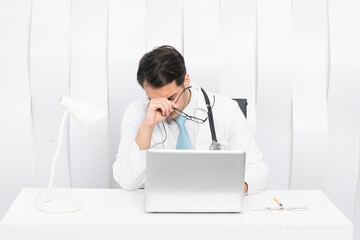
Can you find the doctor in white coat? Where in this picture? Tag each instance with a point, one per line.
(152, 122)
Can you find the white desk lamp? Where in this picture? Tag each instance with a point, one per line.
(85, 114)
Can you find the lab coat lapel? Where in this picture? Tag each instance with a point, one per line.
(204, 137)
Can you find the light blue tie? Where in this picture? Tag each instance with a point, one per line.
(183, 141)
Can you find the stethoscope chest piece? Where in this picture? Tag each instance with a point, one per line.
(215, 146)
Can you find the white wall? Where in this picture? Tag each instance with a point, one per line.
(296, 61)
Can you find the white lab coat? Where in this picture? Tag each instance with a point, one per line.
(231, 129)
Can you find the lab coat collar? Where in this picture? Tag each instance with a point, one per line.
(200, 101)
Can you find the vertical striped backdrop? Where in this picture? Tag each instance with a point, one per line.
(296, 61)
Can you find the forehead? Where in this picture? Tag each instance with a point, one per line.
(164, 92)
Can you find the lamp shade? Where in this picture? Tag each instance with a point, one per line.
(84, 113)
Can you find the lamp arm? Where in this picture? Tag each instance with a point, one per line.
(56, 156)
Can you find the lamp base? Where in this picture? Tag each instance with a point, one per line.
(59, 205)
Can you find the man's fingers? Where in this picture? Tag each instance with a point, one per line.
(162, 109)
(168, 107)
(165, 105)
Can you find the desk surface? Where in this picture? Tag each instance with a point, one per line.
(117, 212)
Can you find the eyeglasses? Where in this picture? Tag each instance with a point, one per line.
(192, 118)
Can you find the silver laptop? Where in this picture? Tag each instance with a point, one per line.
(194, 181)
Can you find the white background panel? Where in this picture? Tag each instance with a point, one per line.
(164, 23)
(49, 79)
(237, 51)
(356, 211)
(126, 46)
(16, 151)
(273, 117)
(344, 88)
(201, 42)
(309, 106)
(90, 166)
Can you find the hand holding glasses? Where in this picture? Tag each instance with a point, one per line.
(183, 114)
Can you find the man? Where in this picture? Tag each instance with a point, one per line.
(174, 115)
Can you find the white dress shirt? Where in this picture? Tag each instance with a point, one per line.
(231, 129)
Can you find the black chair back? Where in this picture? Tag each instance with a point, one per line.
(242, 102)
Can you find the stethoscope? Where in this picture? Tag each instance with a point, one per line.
(214, 144)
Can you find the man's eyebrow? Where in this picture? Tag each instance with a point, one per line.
(168, 97)
(172, 96)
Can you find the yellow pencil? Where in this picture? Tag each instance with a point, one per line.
(277, 202)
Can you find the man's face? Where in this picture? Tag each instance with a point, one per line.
(171, 92)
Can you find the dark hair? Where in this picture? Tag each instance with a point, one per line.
(161, 66)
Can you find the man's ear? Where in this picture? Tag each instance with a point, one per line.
(187, 80)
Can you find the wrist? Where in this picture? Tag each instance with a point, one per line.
(148, 124)
(143, 137)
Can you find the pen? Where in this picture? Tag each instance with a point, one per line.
(278, 202)
(282, 209)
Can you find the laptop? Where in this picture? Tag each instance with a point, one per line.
(194, 181)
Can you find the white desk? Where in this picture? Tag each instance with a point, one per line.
(117, 214)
